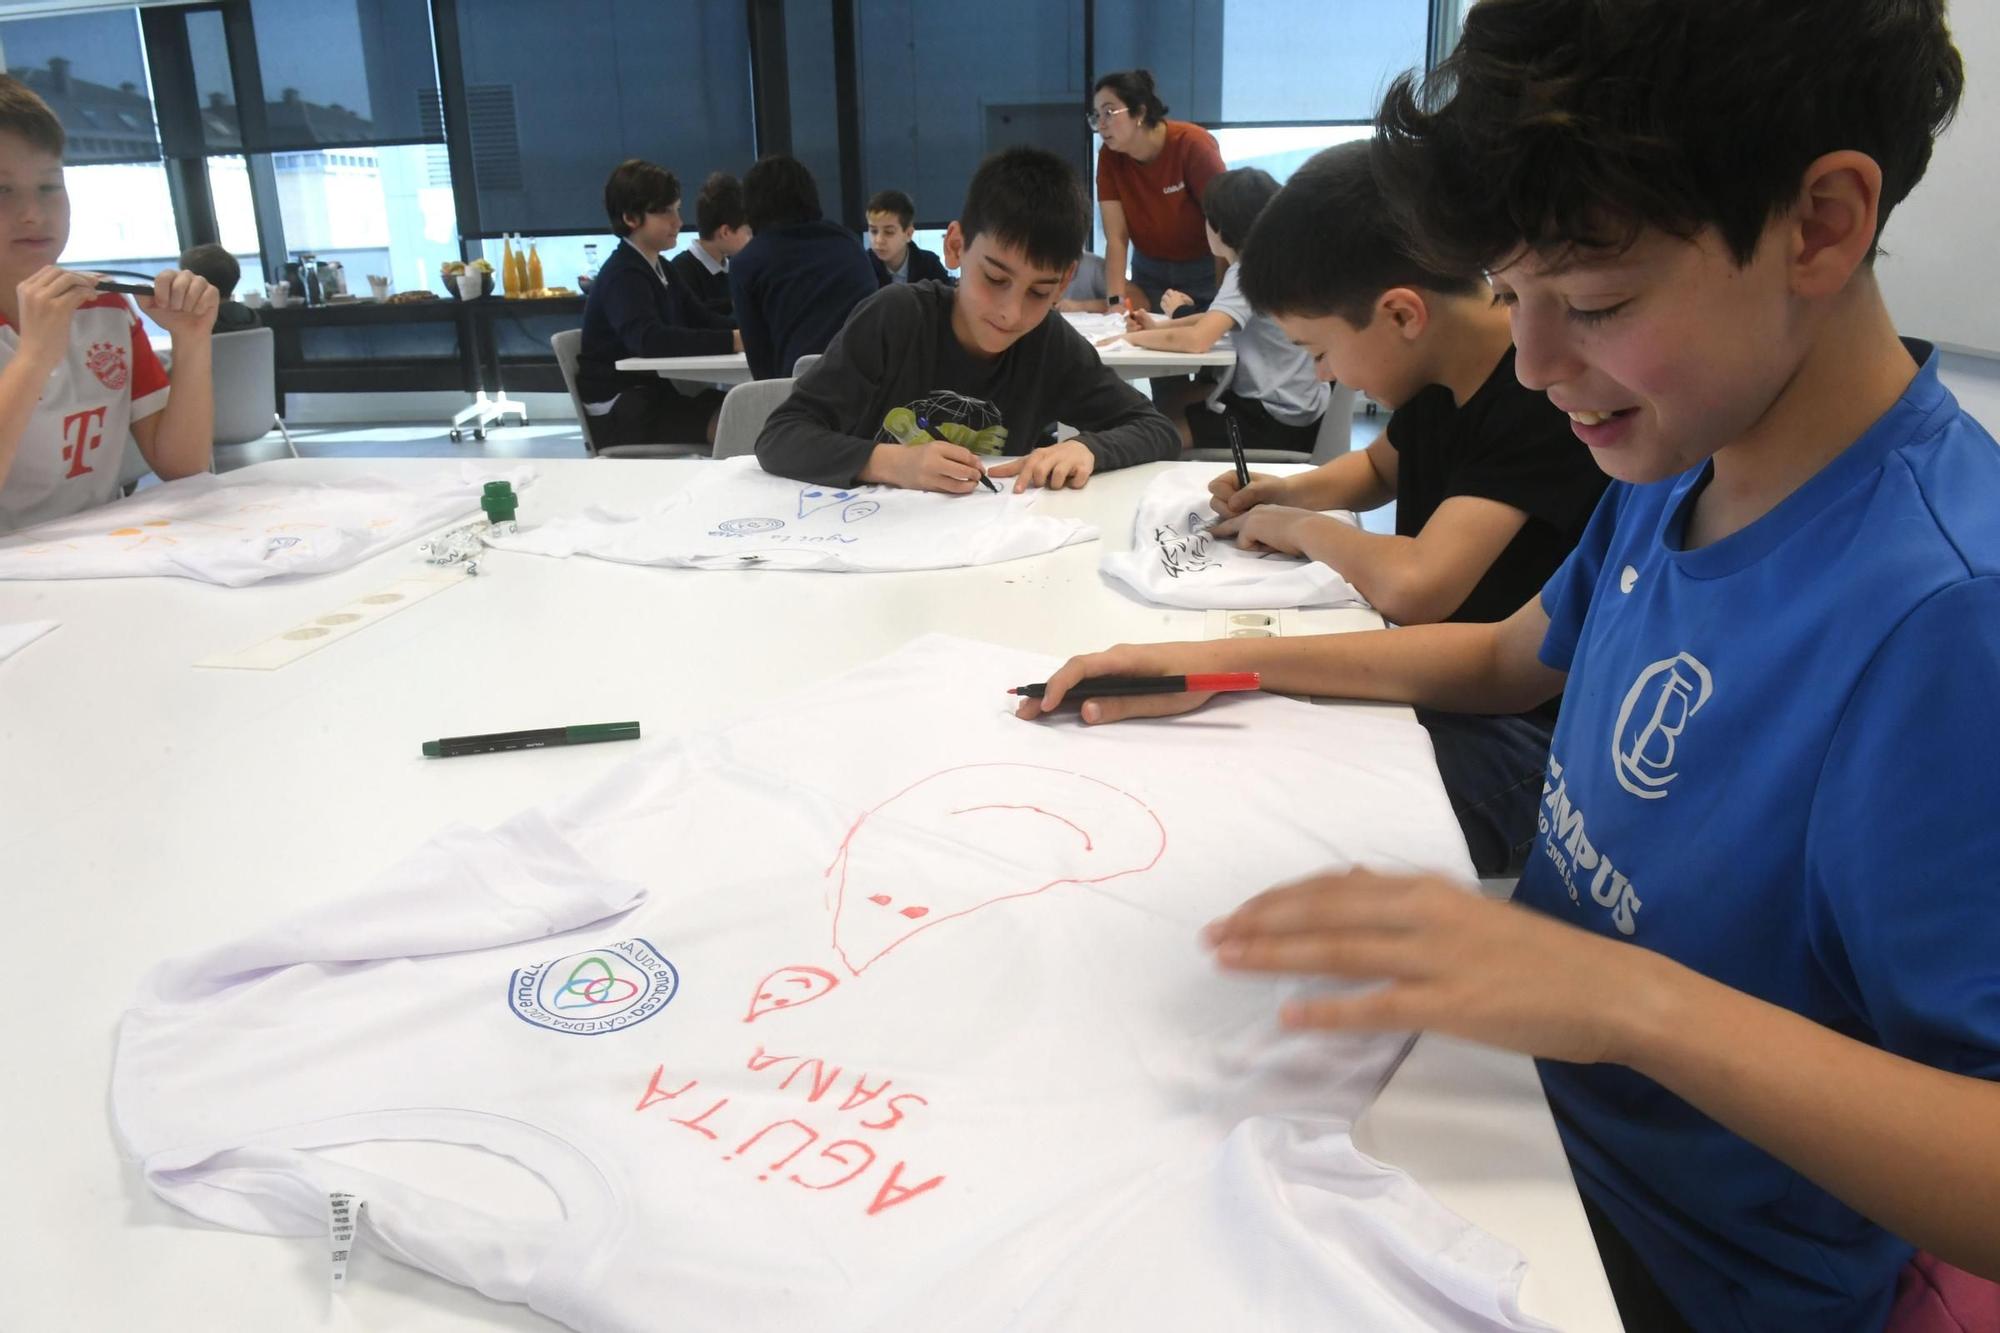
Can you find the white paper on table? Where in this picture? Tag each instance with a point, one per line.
(235, 533)
(736, 516)
(1176, 561)
(13, 638)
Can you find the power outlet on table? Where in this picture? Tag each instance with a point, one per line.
(1248, 624)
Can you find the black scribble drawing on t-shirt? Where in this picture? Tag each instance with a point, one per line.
(1184, 552)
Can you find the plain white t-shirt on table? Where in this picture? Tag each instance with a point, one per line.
(825, 1017)
(1175, 561)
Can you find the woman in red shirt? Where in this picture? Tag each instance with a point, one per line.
(1150, 175)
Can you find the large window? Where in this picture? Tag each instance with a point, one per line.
(941, 86)
(558, 94)
(1270, 61)
(376, 211)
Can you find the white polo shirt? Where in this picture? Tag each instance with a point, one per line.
(74, 445)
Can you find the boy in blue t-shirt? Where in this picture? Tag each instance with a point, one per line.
(1781, 642)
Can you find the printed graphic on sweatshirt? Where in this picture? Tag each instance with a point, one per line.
(596, 992)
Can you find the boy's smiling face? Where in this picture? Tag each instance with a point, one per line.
(1001, 292)
(34, 208)
(1662, 354)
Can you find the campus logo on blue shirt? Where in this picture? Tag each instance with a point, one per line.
(1656, 711)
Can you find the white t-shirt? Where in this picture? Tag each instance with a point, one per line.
(73, 448)
(736, 514)
(826, 1020)
(236, 532)
(1174, 561)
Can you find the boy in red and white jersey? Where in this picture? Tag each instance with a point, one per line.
(76, 372)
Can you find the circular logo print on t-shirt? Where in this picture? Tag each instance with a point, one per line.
(598, 991)
(107, 362)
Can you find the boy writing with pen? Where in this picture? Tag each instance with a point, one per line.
(77, 376)
(1754, 943)
(926, 381)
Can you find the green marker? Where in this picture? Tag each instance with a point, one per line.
(453, 746)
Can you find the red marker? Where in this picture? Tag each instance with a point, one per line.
(1101, 687)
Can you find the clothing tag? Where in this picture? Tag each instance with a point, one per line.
(343, 1216)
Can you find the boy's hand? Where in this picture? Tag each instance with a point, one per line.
(182, 303)
(1127, 659)
(1454, 962)
(1137, 321)
(1174, 300)
(49, 300)
(1230, 499)
(1279, 528)
(1053, 465)
(937, 466)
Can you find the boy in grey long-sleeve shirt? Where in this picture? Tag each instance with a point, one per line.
(991, 353)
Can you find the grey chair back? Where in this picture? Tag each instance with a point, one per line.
(800, 366)
(744, 411)
(566, 345)
(1336, 436)
(246, 385)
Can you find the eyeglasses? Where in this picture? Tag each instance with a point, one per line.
(1094, 118)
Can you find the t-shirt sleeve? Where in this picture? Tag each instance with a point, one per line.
(1204, 163)
(1229, 299)
(1107, 177)
(1903, 851)
(1566, 596)
(1522, 452)
(149, 377)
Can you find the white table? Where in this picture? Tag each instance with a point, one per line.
(1131, 363)
(148, 808)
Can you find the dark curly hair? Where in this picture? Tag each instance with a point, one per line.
(1568, 125)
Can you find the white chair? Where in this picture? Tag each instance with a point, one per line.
(246, 389)
(566, 345)
(799, 366)
(1336, 437)
(744, 411)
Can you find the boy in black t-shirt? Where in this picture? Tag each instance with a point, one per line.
(1492, 488)
(924, 378)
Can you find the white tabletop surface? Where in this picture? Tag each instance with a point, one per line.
(1131, 363)
(150, 808)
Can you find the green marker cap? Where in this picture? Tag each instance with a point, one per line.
(602, 731)
(499, 501)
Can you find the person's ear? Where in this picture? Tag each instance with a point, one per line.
(1831, 229)
(1406, 311)
(633, 221)
(954, 245)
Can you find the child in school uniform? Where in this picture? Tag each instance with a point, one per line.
(1492, 489)
(722, 229)
(1272, 393)
(638, 306)
(77, 375)
(800, 276)
(892, 220)
(990, 355)
(1780, 638)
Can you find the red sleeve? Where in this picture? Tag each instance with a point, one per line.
(148, 375)
(1107, 177)
(1204, 161)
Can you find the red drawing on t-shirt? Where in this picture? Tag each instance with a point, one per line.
(81, 432)
(1018, 829)
(789, 987)
(107, 362)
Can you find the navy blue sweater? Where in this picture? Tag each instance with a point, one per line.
(793, 288)
(631, 312)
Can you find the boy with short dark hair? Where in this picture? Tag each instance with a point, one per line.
(892, 220)
(77, 375)
(1492, 490)
(639, 306)
(796, 281)
(990, 358)
(1781, 641)
(223, 273)
(722, 228)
